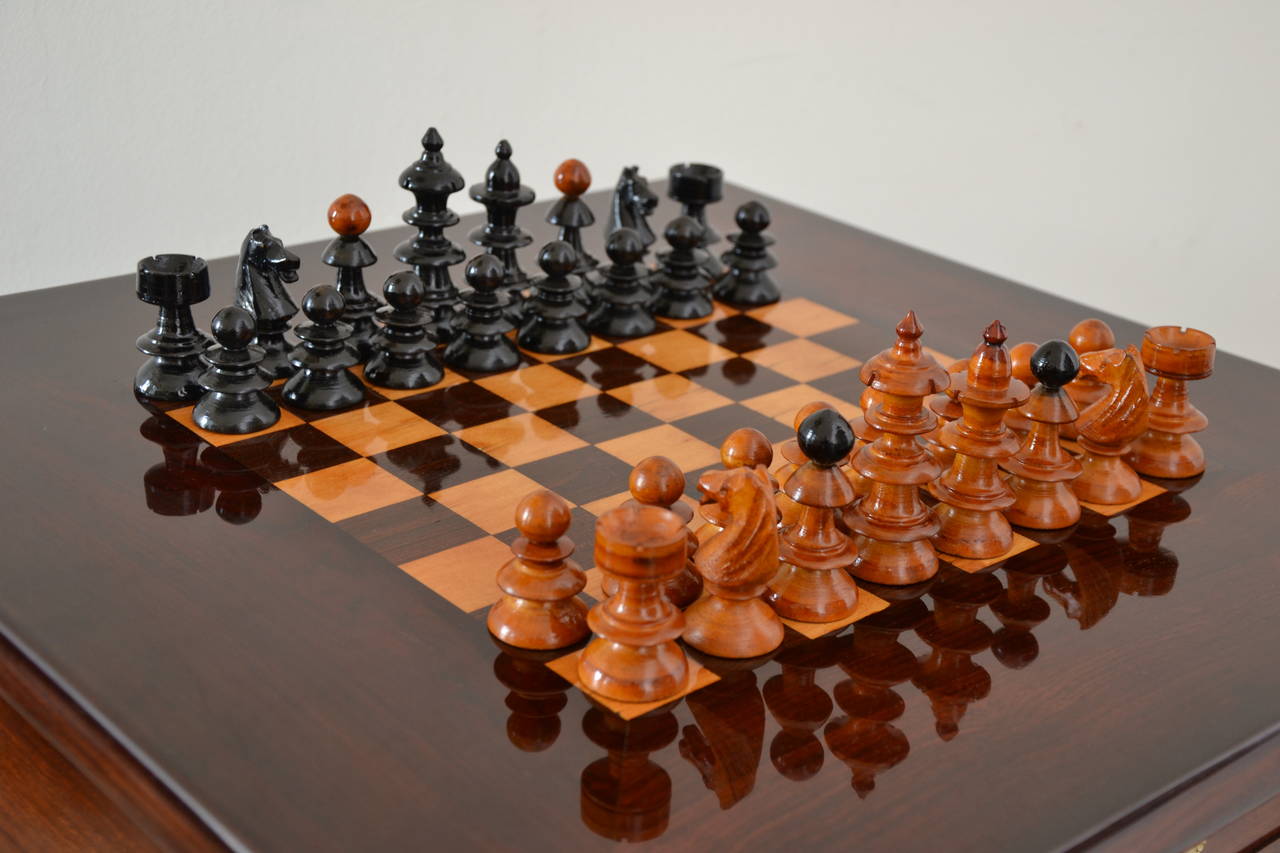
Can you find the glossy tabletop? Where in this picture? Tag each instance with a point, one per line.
(295, 691)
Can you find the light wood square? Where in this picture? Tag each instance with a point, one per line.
(1020, 543)
(670, 397)
(538, 387)
(1149, 491)
(520, 439)
(681, 448)
(676, 350)
(782, 405)
(463, 575)
(373, 429)
(449, 378)
(349, 489)
(567, 668)
(802, 359)
(594, 588)
(942, 358)
(719, 311)
(867, 604)
(802, 317)
(596, 344)
(183, 416)
(488, 502)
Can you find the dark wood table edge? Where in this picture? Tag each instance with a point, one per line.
(100, 755)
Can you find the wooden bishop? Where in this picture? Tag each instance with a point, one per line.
(634, 656)
(971, 491)
(1041, 471)
(1109, 426)
(892, 525)
(811, 584)
(736, 564)
(539, 607)
(657, 481)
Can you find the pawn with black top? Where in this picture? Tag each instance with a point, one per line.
(747, 281)
(349, 217)
(323, 383)
(503, 195)
(621, 309)
(233, 402)
(571, 214)
(483, 345)
(682, 286)
(173, 283)
(403, 355)
(552, 318)
(811, 584)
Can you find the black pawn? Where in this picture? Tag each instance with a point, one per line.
(503, 195)
(483, 345)
(403, 355)
(233, 402)
(1054, 364)
(432, 180)
(323, 382)
(747, 281)
(681, 285)
(621, 309)
(172, 370)
(553, 314)
(349, 217)
(696, 185)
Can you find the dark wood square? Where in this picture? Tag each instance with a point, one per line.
(411, 529)
(738, 378)
(599, 418)
(741, 333)
(609, 368)
(289, 453)
(437, 463)
(460, 406)
(580, 476)
(714, 426)
(844, 385)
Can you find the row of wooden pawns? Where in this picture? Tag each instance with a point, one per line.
(788, 544)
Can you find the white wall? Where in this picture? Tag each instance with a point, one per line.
(1123, 153)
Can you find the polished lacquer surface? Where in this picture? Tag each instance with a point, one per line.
(254, 621)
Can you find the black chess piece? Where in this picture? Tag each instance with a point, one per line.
(503, 195)
(746, 281)
(233, 402)
(180, 485)
(432, 180)
(403, 354)
(553, 314)
(631, 205)
(571, 214)
(265, 267)
(681, 286)
(349, 217)
(483, 345)
(323, 382)
(696, 185)
(621, 310)
(172, 370)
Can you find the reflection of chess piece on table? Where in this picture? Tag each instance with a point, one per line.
(240, 490)
(1109, 426)
(1087, 588)
(799, 705)
(1175, 356)
(948, 674)
(1018, 607)
(1149, 567)
(179, 485)
(625, 796)
(173, 283)
(727, 740)
(537, 696)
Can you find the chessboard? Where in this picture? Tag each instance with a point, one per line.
(279, 638)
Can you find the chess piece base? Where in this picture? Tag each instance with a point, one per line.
(808, 595)
(894, 563)
(633, 673)
(528, 624)
(732, 628)
(973, 534)
(1042, 506)
(235, 414)
(170, 379)
(1166, 455)
(1106, 480)
(323, 392)
(387, 373)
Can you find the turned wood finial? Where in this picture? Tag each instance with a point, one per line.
(542, 516)
(1020, 362)
(1091, 335)
(746, 448)
(349, 215)
(657, 481)
(573, 178)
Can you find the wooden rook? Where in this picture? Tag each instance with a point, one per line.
(793, 457)
(233, 401)
(1175, 356)
(539, 607)
(811, 584)
(736, 564)
(892, 525)
(657, 481)
(173, 283)
(1042, 470)
(323, 383)
(404, 354)
(634, 656)
(972, 491)
(1091, 335)
(1110, 425)
(744, 448)
(349, 217)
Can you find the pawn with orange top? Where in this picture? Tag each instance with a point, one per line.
(349, 217)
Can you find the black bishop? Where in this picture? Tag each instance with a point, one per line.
(503, 195)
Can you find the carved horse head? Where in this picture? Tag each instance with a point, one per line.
(632, 202)
(264, 269)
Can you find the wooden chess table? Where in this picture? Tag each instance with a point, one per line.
(278, 642)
